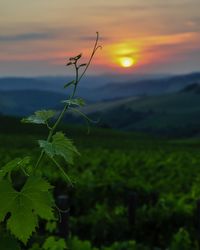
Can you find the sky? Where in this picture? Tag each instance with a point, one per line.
(37, 37)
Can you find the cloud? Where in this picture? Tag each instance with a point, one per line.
(146, 6)
(193, 23)
(26, 37)
(92, 38)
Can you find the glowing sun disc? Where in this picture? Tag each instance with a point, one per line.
(127, 62)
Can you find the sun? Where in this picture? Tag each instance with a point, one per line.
(126, 62)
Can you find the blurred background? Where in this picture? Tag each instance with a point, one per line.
(137, 180)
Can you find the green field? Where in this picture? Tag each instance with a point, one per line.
(134, 189)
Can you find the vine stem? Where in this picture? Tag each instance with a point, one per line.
(62, 113)
(62, 170)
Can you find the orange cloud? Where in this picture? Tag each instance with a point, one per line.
(150, 49)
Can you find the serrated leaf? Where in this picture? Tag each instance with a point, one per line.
(52, 243)
(60, 145)
(37, 189)
(25, 161)
(64, 147)
(23, 221)
(7, 198)
(9, 167)
(69, 84)
(13, 165)
(37, 183)
(48, 147)
(75, 102)
(40, 117)
(25, 206)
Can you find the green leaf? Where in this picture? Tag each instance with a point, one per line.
(37, 190)
(52, 243)
(75, 102)
(13, 165)
(69, 84)
(40, 117)
(7, 197)
(60, 145)
(22, 221)
(76, 244)
(25, 206)
(64, 147)
(9, 167)
(48, 147)
(51, 226)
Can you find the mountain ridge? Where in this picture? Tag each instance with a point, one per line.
(103, 90)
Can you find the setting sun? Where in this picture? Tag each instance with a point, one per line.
(127, 62)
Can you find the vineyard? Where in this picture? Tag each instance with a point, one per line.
(130, 191)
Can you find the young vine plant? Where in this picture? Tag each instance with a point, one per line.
(21, 209)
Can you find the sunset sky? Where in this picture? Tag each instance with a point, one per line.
(160, 36)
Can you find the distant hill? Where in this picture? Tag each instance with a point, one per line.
(97, 81)
(24, 102)
(163, 105)
(105, 87)
(148, 87)
(195, 88)
(176, 113)
(22, 83)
